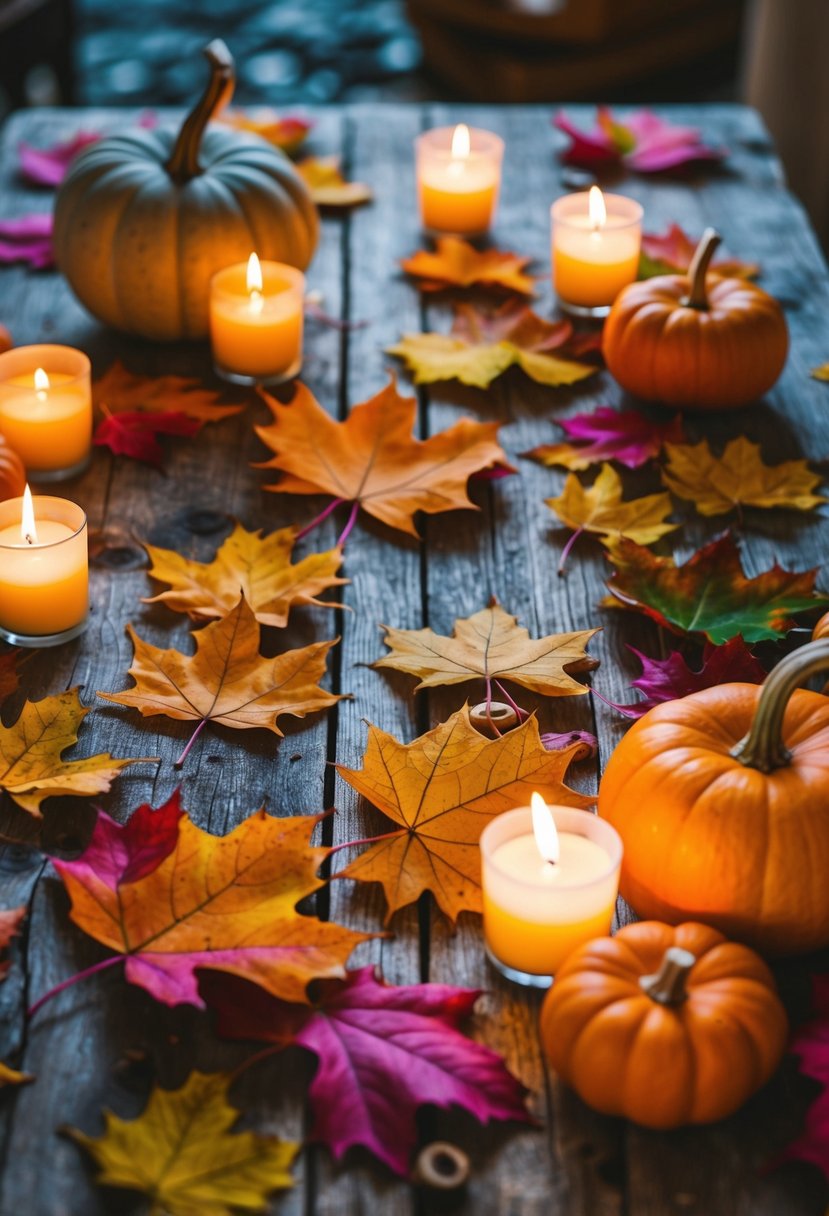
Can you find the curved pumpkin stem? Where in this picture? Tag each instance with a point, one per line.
(763, 747)
(667, 985)
(184, 159)
(697, 296)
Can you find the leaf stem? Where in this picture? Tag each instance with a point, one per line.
(565, 552)
(490, 720)
(73, 979)
(352, 844)
(255, 1058)
(522, 713)
(352, 519)
(332, 506)
(178, 763)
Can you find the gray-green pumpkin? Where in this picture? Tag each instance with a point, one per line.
(143, 220)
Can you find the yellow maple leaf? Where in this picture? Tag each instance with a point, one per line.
(31, 767)
(456, 263)
(323, 177)
(491, 645)
(600, 509)
(737, 478)
(182, 1153)
(258, 566)
(442, 789)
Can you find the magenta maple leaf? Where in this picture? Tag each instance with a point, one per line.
(27, 239)
(607, 434)
(588, 744)
(811, 1045)
(119, 853)
(134, 433)
(382, 1052)
(672, 252)
(47, 166)
(670, 678)
(644, 142)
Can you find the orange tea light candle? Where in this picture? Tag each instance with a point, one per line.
(595, 249)
(256, 316)
(458, 179)
(550, 878)
(46, 409)
(44, 595)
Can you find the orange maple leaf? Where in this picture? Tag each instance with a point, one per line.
(459, 264)
(227, 680)
(286, 132)
(443, 789)
(120, 391)
(372, 460)
(328, 187)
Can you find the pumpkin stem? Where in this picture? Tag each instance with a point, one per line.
(763, 747)
(697, 297)
(667, 985)
(184, 159)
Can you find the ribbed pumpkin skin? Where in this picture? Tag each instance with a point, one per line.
(663, 1065)
(12, 472)
(821, 629)
(721, 358)
(709, 839)
(139, 250)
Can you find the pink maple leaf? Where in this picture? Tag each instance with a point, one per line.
(27, 239)
(119, 853)
(607, 434)
(588, 744)
(670, 678)
(47, 166)
(672, 251)
(134, 433)
(644, 142)
(382, 1052)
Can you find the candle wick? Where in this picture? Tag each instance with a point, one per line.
(29, 539)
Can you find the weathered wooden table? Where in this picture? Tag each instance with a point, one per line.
(102, 1043)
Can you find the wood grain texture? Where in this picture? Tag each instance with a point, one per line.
(103, 1043)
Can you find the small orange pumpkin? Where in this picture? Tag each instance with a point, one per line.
(696, 343)
(722, 801)
(821, 629)
(664, 1026)
(12, 472)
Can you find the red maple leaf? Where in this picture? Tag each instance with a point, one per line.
(135, 433)
(382, 1052)
(670, 678)
(811, 1044)
(119, 853)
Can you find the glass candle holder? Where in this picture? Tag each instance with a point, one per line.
(44, 588)
(458, 179)
(593, 258)
(256, 332)
(46, 409)
(536, 912)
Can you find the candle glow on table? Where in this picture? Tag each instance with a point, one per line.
(595, 249)
(44, 595)
(46, 409)
(256, 321)
(458, 179)
(550, 877)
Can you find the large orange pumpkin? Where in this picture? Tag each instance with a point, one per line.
(694, 342)
(722, 801)
(665, 1026)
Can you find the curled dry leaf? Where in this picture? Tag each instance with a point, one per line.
(738, 478)
(626, 436)
(182, 1153)
(490, 645)
(258, 566)
(442, 789)
(456, 263)
(372, 459)
(31, 764)
(323, 177)
(483, 345)
(171, 900)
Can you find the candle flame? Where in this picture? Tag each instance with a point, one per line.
(461, 144)
(41, 382)
(254, 277)
(596, 208)
(544, 828)
(27, 519)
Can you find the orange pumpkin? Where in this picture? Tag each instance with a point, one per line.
(694, 342)
(722, 801)
(12, 472)
(665, 1026)
(821, 629)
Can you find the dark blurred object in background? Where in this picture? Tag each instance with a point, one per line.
(37, 48)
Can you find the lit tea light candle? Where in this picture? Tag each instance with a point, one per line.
(458, 179)
(595, 249)
(44, 594)
(550, 877)
(256, 319)
(46, 409)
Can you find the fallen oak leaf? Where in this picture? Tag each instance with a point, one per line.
(181, 1152)
(226, 903)
(31, 764)
(626, 436)
(442, 790)
(601, 510)
(456, 263)
(644, 142)
(490, 645)
(27, 239)
(48, 166)
(258, 566)
(710, 594)
(328, 187)
(135, 433)
(123, 391)
(673, 251)
(482, 346)
(372, 460)
(227, 680)
(738, 478)
(670, 678)
(287, 132)
(399, 1047)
